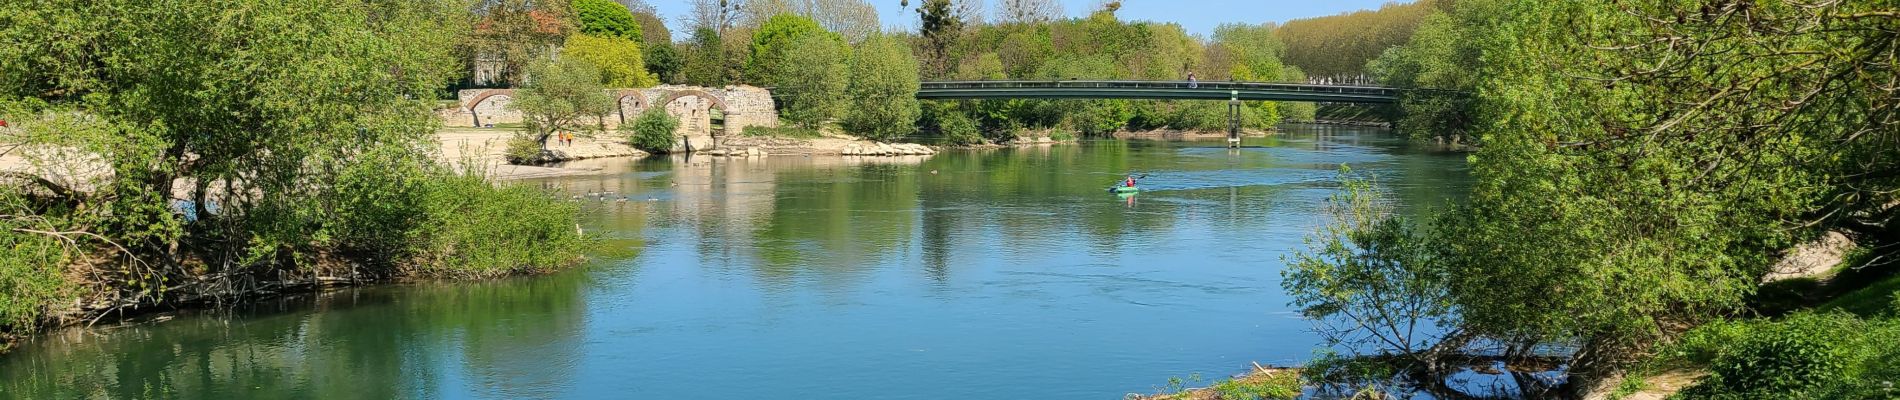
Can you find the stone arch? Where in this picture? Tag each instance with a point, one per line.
(620, 102)
(484, 96)
(690, 124)
(677, 94)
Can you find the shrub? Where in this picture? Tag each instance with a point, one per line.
(31, 269)
(475, 228)
(523, 149)
(958, 128)
(654, 131)
(1062, 136)
(1806, 351)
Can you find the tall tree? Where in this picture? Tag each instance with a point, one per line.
(1028, 11)
(941, 28)
(772, 43)
(607, 18)
(564, 96)
(705, 60)
(812, 81)
(513, 34)
(882, 96)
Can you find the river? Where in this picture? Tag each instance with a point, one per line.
(1004, 273)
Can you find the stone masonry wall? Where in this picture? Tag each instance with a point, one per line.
(744, 106)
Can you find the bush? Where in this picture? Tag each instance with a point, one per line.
(958, 128)
(31, 277)
(1806, 351)
(398, 213)
(654, 131)
(474, 228)
(523, 149)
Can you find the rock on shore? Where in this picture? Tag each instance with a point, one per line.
(887, 149)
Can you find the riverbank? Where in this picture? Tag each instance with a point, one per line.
(1261, 382)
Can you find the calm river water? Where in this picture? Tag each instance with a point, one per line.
(1005, 274)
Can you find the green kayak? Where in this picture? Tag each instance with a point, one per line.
(1124, 189)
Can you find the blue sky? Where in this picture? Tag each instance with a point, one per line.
(1198, 16)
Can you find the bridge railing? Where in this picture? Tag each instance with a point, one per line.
(1094, 84)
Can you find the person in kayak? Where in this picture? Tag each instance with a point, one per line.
(1129, 182)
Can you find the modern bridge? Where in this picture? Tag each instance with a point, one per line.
(1232, 92)
(1156, 90)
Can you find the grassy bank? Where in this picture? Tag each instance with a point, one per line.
(1837, 348)
(386, 219)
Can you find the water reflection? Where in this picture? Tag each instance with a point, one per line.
(280, 349)
(981, 274)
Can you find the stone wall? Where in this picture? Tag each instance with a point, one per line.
(742, 106)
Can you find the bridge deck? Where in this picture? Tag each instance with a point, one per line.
(1157, 90)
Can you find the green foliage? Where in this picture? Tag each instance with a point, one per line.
(959, 129)
(565, 95)
(32, 276)
(1808, 355)
(1443, 55)
(1369, 277)
(882, 97)
(1879, 299)
(476, 228)
(665, 61)
(606, 18)
(704, 61)
(230, 98)
(777, 42)
(1341, 45)
(524, 149)
(618, 60)
(517, 33)
(655, 131)
(812, 81)
(1277, 385)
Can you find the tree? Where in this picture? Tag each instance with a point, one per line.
(654, 131)
(941, 28)
(1028, 11)
(561, 96)
(639, 7)
(705, 60)
(513, 34)
(811, 83)
(608, 19)
(773, 43)
(617, 60)
(883, 90)
(1339, 46)
(716, 15)
(853, 19)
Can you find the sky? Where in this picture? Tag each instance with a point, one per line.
(1197, 16)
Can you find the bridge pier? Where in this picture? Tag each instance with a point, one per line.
(1233, 120)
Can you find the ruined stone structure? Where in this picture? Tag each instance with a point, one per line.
(700, 110)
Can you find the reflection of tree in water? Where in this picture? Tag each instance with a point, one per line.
(839, 222)
(370, 344)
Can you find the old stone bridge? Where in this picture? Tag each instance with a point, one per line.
(703, 112)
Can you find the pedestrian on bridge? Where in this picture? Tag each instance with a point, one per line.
(1192, 83)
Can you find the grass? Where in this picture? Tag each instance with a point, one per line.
(1882, 297)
